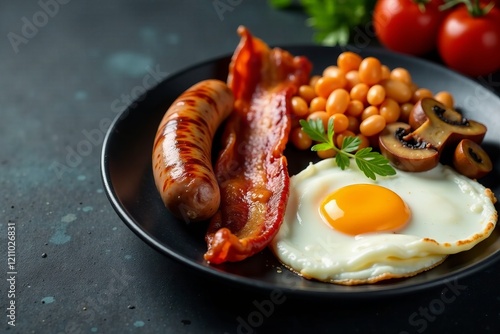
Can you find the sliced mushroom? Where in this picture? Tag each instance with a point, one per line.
(438, 125)
(418, 116)
(471, 160)
(407, 155)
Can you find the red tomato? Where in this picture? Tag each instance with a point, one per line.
(471, 44)
(408, 26)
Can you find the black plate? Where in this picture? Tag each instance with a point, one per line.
(128, 180)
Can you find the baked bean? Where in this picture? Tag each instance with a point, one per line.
(372, 125)
(390, 110)
(307, 93)
(317, 104)
(348, 61)
(300, 139)
(359, 92)
(299, 106)
(445, 98)
(337, 101)
(375, 95)
(397, 90)
(370, 71)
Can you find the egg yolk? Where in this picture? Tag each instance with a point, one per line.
(364, 208)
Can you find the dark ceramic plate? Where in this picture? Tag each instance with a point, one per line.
(128, 179)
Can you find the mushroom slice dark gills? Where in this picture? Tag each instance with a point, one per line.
(407, 155)
(441, 125)
(471, 160)
(435, 127)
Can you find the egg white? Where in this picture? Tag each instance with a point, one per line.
(450, 214)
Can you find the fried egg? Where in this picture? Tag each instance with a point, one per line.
(342, 227)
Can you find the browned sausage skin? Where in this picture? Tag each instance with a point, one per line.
(182, 165)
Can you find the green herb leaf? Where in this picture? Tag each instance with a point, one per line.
(372, 163)
(342, 160)
(335, 20)
(314, 129)
(369, 162)
(321, 147)
(331, 132)
(350, 144)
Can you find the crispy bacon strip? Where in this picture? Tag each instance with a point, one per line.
(251, 169)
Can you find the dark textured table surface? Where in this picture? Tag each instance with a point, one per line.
(67, 68)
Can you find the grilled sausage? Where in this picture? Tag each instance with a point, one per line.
(182, 165)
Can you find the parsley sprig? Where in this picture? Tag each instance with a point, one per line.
(334, 21)
(369, 162)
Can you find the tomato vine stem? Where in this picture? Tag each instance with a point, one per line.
(473, 6)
